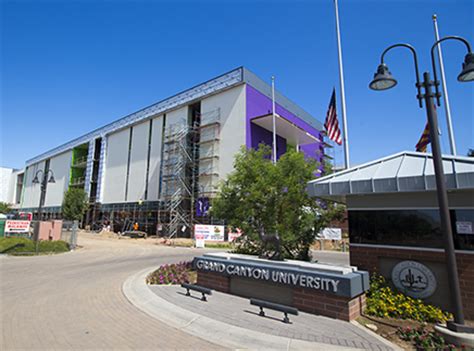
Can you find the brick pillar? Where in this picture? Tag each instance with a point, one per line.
(329, 305)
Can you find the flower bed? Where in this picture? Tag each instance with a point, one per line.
(175, 273)
(384, 302)
(424, 339)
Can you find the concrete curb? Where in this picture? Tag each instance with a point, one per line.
(377, 336)
(455, 338)
(137, 292)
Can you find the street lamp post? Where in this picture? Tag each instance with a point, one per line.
(43, 182)
(383, 80)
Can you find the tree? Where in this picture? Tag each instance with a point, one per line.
(5, 207)
(470, 153)
(74, 204)
(260, 194)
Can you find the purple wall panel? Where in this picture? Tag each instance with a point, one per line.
(258, 105)
(261, 135)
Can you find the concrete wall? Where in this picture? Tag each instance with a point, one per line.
(232, 130)
(116, 167)
(155, 159)
(138, 162)
(179, 115)
(31, 192)
(61, 167)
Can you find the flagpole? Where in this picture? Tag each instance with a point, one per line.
(343, 95)
(274, 121)
(447, 107)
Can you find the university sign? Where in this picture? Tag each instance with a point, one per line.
(349, 284)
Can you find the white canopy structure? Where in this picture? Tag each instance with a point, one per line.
(402, 172)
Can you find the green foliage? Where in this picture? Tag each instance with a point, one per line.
(74, 204)
(5, 207)
(259, 194)
(424, 339)
(383, 302)
(175, 273)
(14, 246)
(218, 245)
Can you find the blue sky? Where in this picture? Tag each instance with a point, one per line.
(69, 67)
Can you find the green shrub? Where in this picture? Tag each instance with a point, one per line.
(383, 302)
(24, 245)
(222, 245)
(175, 273)
(74, 204)
(53, 246)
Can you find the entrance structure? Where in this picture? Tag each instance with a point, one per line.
(394, 224)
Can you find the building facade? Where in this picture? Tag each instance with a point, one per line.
(154, 165)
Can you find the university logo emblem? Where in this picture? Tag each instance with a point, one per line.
(414, 279)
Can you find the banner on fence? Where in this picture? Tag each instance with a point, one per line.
(16, 226)
(331, 234)
(209, 232)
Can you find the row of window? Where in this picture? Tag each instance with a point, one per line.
(420, 228)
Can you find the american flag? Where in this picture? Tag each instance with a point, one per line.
(331, 124)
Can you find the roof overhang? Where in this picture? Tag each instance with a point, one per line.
(405, 172)
(293, 134)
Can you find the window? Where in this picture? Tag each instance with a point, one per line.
(419, 228)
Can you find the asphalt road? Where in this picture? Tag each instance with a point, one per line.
(75, 300)
(333, 257)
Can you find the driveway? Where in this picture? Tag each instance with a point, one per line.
(75, 300)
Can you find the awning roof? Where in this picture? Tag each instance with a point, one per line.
(291, 132)
(403, 172)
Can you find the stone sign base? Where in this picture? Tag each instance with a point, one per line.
(332, 291)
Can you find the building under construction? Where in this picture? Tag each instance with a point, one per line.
(161, 166)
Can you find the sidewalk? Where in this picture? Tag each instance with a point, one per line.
(231, 321)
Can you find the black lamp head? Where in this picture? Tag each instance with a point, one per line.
(35, 180)
(383, 79)
(467, 73)
(51, 179)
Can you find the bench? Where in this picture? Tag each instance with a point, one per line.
(274, 306)
(197, 288)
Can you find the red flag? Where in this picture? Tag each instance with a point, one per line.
(331, 124)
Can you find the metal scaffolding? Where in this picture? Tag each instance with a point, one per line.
(209, 136)
(179, 164)
(190, 171)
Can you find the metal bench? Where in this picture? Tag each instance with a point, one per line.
(274, 306)
(197, 288)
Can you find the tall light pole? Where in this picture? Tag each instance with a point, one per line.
(383, 80)
(274, 147)
(447, 108)
(343, 92)
(43, 182)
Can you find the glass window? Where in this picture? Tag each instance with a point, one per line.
(463, 231)
(421, 228)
